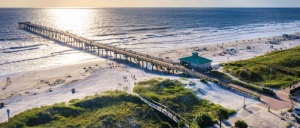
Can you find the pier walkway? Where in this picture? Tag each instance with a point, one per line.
(142, 60)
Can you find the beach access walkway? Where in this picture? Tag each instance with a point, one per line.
(142, 60)
(166, 111)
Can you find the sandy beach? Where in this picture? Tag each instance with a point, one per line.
(257, 46)
(40, 80)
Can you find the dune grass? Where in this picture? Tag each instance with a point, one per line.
(179, 99)
(221, 74)
(259, 74)
(108, 110)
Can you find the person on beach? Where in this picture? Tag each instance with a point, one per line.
(8, 81)
(8, 113)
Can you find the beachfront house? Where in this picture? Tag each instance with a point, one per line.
(196, 62)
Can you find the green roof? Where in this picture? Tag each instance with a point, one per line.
(195, 59)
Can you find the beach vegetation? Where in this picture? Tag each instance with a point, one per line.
(203, 80)
(160, 78)
(284, 63)
(220, 74)
(241, 124)
(109, 109)
(181, 124)
(215, 81)
(222, 114)
(182, 78)
(191, 83)
(181, 100)
(203, 119)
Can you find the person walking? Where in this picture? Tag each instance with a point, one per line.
(8, 114)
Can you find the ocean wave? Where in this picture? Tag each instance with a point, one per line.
(20, 50)
(30, 46)
(145, 29)
(47, 56)
(112, 34)
(5, 39)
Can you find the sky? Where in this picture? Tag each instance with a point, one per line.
(148, 3)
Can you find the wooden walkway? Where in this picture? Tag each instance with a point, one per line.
(89, 45)
(166, 111)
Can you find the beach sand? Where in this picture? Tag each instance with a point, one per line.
(258, 47)
(37, 81)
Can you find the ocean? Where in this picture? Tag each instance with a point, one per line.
(139, 29)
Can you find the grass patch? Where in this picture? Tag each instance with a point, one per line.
(259, 74)
(203, 80)
(106, 110)
(160, 78)
(182, 78)
(183, 101)
(221, 74)
(191, 83)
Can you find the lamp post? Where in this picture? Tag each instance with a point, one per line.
(270, 78)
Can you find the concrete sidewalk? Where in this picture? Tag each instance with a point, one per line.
(258, 116)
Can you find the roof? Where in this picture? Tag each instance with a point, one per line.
(195, 59)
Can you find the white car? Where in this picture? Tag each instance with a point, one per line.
(297, 110)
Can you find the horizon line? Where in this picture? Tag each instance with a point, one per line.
(138, 7)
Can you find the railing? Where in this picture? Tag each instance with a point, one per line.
(171, 111)
(168, 114)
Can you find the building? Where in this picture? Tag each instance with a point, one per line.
(195, 61)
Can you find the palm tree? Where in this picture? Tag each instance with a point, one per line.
(222, 115)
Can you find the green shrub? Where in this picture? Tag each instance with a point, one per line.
(192, 83)
(215, 81)
(241, 124)
(203, 80)
(73, 100)
(165, 125)
(181, 124)
(160, 78)
(182, 78)
(148, 82)
(204, 120)
(221, 74)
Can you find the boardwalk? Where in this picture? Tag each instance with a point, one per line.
(129, 55)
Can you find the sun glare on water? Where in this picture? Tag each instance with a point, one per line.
(73, 20)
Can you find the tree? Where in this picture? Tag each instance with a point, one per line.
(241, 124)
(222, 115)
(204, 120)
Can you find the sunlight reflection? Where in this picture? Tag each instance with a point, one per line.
(75, 20)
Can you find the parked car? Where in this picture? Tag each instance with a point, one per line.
(297, 110)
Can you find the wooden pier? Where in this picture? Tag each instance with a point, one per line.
(142, 60)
